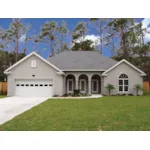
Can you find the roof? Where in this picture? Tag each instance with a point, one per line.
(82, 60)
(26, 57)
(125, 61)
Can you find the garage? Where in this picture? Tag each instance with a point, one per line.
(34, 88)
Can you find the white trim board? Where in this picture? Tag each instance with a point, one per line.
(83, 70)
(123, 60)
(26, 57)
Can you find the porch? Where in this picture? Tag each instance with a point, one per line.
(90, 84)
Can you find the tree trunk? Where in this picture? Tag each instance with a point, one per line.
(137, 91)
(17, 49)
(109, 91)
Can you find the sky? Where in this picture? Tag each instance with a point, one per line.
(44, 50)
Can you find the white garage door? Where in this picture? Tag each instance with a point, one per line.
(38, 88)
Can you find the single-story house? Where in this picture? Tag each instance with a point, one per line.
(88, 71)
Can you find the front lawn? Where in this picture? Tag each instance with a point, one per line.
(107, 113)
(2, 96)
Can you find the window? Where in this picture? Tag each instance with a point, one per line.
(31, 84)
(22, 84)
(50, 85)
(45, 85)
(17, 84)
(70, 85)
(123, 83)
(27, 84)
(41, 84)
(33, 63)
(82, 85)
(36, 84)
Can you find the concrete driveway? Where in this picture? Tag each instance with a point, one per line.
(13, 106)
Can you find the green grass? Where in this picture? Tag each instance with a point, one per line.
(2, 96)
(108, 113)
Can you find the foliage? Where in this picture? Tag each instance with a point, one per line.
(109, 87)
(79, 32)
(54, 36)
(78, 38)
(146, 93)
(15, 32)
(76, 92)
(86, 45)
(99, 25)
(138, 87)
(6, 60)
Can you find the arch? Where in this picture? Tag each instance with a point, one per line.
(123, 76)
(83, 83)
(70, 83)
(96, 84)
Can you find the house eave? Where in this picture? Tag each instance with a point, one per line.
(7, 72)
(60, 73)
(83, 70)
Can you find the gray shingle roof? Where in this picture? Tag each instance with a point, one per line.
(92, 60)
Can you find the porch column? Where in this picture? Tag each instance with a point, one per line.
(102, 85)
(89, 87)
(77, 84)
(64, 85)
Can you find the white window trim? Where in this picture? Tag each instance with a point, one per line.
(68, 86)
(84, 85)
(123, 85)
(33, 64)
(92, 85)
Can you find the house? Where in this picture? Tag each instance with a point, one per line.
(88, 71)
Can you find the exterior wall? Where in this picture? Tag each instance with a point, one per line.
(113, 78)
(89, 74)
(42, 71)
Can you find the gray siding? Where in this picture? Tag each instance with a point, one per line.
(113, 78)
(42, 71)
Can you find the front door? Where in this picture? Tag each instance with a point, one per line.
(83, 86)
(94, 86)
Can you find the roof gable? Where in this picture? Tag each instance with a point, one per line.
(128, 63)
(26, 57)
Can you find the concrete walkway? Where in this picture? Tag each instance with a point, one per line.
(92, 96)
(13, 106)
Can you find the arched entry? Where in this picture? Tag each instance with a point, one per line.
(83, 83)
(95, 84)
(70, 83)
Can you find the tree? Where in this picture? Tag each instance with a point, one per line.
(6, 60)
(87, 45)
(61, 42)
(109, 87)
(138, 87)
(48, 35)
(78, 34)
(16, 30)
(99, 24)
(124, 31)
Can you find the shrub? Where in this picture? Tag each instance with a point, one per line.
(76, 92)
(130, 94)
(84, 94)
(65, 95)
(138, 87)
(56, 95)
(109, 87)
(146, 93)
